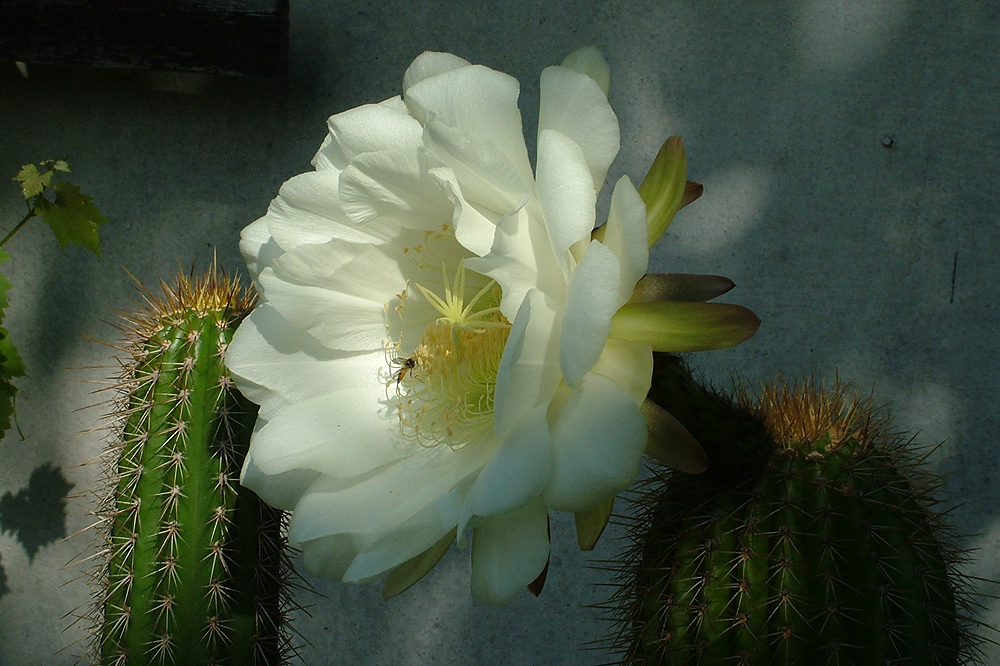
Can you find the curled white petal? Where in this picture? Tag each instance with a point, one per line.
(591, 301)
(573, 104)
(565, 190)
(598, 440)
(516, 474)
(626, 235)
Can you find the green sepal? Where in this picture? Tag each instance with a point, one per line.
(679, 287)
(669, 443)
(663, 188)
(410, 572)
(672, 326)
(590, 524)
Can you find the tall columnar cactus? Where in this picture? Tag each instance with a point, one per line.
(813, 541)
(195, 564)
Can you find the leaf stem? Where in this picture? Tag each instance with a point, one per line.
(31, 214)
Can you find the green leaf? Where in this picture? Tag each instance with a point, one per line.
(32, 182)
(11, 365)
(4, 286)
(73, 217)
(57, 165)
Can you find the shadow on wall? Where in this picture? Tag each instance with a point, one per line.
(35, 515)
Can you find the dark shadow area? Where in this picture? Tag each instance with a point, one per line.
(36, 515)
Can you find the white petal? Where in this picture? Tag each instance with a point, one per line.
(337, 320)
(629, 364)
(590, 61)
(516, 474)
(431, 63)
(486, 174)
(480, 102)
(252, 238)
(366, 129)
(473, 230)
(509, 552)
(282, 491)
(308, 210)
(276, 364)
(341, 434)
(591, 301)
(598, 438)
(574, 105)
(328, 556)
(338, 292)
(565, 190)
(529, 368)
(373, 506)
(627, 236)
(415, 536)
(390, 185)
(521, 259)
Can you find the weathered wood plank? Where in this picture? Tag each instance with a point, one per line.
(243, 37)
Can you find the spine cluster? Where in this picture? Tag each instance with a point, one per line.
(196, 564)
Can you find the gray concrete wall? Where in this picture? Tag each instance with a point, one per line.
(872, 260)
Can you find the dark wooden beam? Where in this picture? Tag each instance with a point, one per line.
(242, 37)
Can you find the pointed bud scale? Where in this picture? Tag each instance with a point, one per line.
(664, 187)
(679, 287)
(590, 524)
(671, 326)
(669, 442)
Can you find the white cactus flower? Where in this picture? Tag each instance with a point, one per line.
(434, 349)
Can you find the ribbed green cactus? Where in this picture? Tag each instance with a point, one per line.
(195, 562)
(826, 549)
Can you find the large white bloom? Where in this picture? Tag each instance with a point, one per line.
(432, 347)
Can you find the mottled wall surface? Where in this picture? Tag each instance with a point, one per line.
(849, 152)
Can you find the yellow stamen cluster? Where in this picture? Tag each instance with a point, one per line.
(445, 387)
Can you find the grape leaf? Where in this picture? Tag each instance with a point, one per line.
(57, 165)
(11, 365)
(73, 217)
(4, 286)
(32, 182)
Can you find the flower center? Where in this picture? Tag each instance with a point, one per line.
(444, 389)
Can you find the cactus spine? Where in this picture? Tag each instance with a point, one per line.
(195, 563)
(826, 549)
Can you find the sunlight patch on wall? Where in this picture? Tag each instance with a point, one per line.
(734, 199)
(840, 35)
